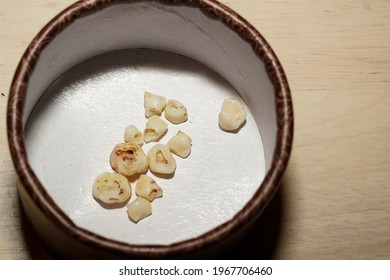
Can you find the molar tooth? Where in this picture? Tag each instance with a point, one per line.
(111, 188)
(128, 159)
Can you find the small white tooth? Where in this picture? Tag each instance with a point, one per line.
(232, 115)
(155, 129)
(139, 209)
(154, 104)
(111, 188)
(128, 159)
(175, 112)
(180, 144)
(161, 160)
(148, 188)
(133, 135)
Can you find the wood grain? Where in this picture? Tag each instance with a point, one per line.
(334, 202)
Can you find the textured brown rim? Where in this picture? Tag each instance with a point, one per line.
(252, 209)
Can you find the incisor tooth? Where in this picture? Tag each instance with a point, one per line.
(155, 129)
(180, 144)
(232, 115)
(128, 159)
(161, 160)
(111, 188)
(175, 112)
(139, 208)
(133, 135)
(148, 188)
(154, 104)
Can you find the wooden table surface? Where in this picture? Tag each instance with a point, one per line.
(334, 201)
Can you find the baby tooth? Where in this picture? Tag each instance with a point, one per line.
(155, 129)
(133, 135)
(139, 208)
(128, 159)
(161, 160)
(111, 188)
(175, 112)
(180, 144)
(154, 104)
(232, 115)
(147, 188)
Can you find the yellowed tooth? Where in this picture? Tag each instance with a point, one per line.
(139, 209)
(155, 129)
(232, 115)
(154, 104)
(128, 159)
(176, 112)
(133, 135)
(161, 160)
(180, 144)
(111, 188)
(148, 188)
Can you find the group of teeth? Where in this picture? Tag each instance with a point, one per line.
(128, 158)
